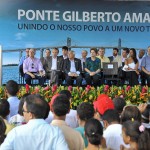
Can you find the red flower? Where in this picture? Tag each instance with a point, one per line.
(88, 87)
(128, 88)
(106, 88)
(144, 90)
(36, 89)
(69, 88)
(27, 88)
(46, 88)
(54, 88)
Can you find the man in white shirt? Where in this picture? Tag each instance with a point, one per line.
(72, 68)
(113, 130)
(11, 89)
(36, 134)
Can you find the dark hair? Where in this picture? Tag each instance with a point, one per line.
(66, 92)
(119, 104)
(94, 49)
(110, 116)
(85, 111)
(12, 87)
(47, 49)
(2, 130)
(56, 49)
(142, 138)
(93, 131)
(65, 48)
(127, 50)
(37, 105)
(116, 49)
(134, 55)
(4, 108)
(61, 105)
(21, 103)
(145, 115)
(129, 113)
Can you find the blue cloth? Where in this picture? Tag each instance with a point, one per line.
(14, 104)
(35, 135)
(81, 131)
(146, 62)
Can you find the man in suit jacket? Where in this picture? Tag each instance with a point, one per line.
(72, 68)
(116, 57)
(53, 67)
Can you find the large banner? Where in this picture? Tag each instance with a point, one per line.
(39, 23)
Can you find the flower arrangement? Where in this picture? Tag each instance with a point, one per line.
(133, 95)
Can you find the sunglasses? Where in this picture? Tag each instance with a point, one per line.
(32, 66)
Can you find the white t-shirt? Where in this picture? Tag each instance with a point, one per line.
(113, 137)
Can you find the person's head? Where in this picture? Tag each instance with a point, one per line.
(67, 93)
(103, 103)
(4, 108)
(141, 53)
(61, 106)
(130, 113)
(109, 117)
(119, 104)
(148, 50)
(145, 115)
(94, 131)
(132, 54)
(71, 54)
(32, 52)
(93, 52)
(55, 52)
(134, 132)
(47, 52)
(85, 111)
(125, 52)
(102, 51)
(35, 107)
(115, 51)
(84, 53)
(21, 103)
(2, 130)
(65, 50)
(27, 52)
(12, 88)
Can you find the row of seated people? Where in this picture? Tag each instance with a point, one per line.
(67, 67)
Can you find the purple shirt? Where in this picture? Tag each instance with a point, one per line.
(32, 65)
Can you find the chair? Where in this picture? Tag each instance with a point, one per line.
(110, 71)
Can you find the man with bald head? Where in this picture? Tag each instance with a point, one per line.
(72, 68)
(33, 69)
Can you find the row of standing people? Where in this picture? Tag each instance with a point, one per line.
(57, 68)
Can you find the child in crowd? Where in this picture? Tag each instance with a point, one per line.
(94, 134)
(119, 104)
(130, 113)
(11, 89)
(85, 111)
(136, 135)
(19, 119)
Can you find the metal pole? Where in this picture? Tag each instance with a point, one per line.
(119, 46)
(69, 43)
(0, 65)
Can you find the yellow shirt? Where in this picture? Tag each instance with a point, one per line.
(9, 127)
(104, 59)
(73, 138)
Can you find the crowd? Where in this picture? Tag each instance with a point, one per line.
(130, 66)
(107, 124)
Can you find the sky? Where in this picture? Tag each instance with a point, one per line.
(13, 38)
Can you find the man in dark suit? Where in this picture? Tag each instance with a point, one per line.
(72, 68)
(53, 67)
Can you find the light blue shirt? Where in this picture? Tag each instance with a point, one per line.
(22, 60)
(37, 134)
(14, 104)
